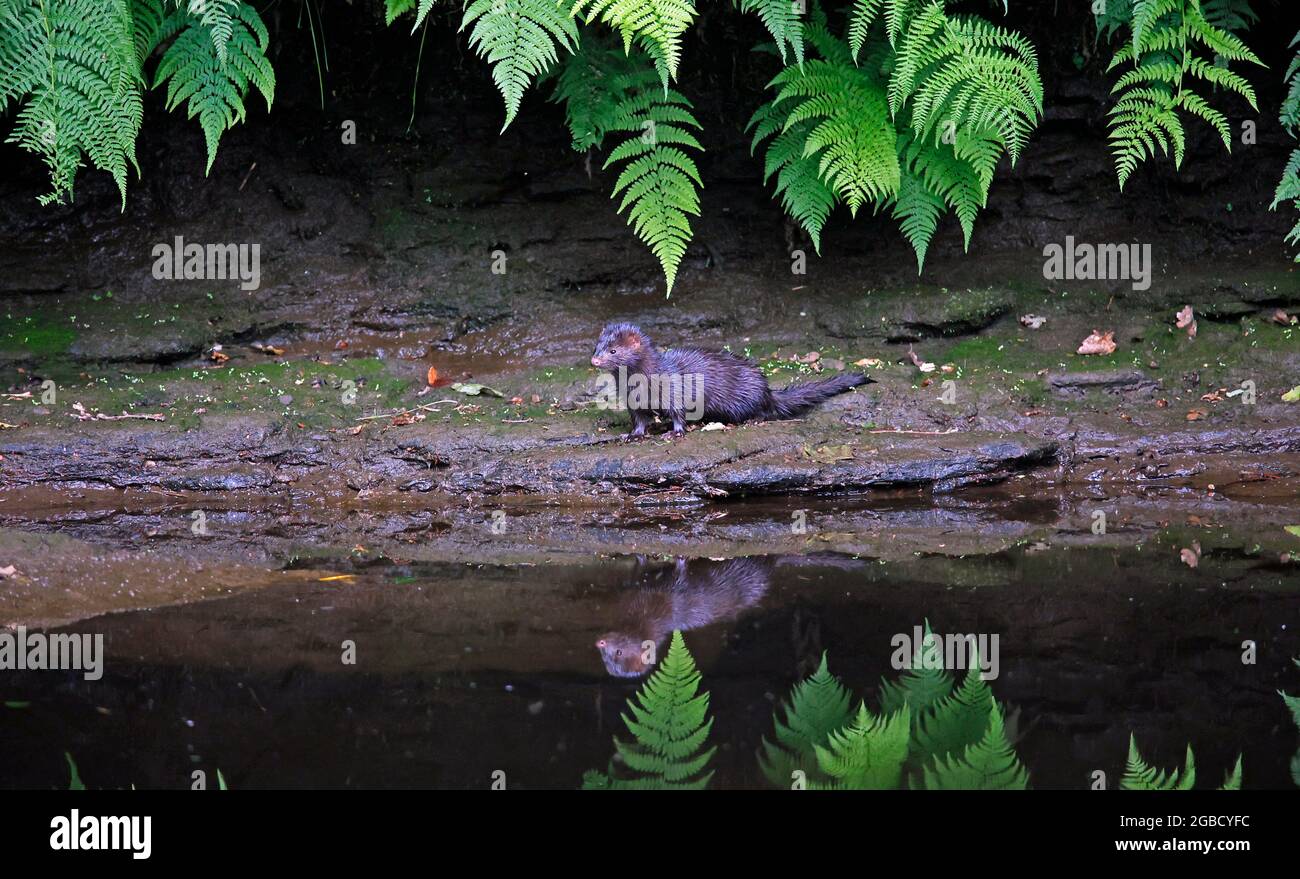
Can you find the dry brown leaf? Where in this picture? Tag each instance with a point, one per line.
(1033, 321)
(8, 571)
(1197, 414)
(1281, 317)
(1190, 558)
(923, 365)
(432, 376)
(1099, 343)
(217, 355)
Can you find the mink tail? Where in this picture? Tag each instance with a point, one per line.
(797, 399)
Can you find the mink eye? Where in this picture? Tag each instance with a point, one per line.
(618, 654)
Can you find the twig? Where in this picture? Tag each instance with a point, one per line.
(251, 168)
(399, 412)
(920, 432)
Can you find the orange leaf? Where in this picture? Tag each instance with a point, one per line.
(1099, 343)
(432, 377)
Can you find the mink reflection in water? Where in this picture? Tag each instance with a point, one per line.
(684, 595)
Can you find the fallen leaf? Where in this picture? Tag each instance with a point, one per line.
(431, 378)
(1293, 530)
(810, 357)
(714, 425)
(217, 355)
(872, 362)
(1098, 343)
(1281, 317)
(1162, 403)
(473, 390)
(1197, 414)
(516, 401)
(8, 571)
(1292, 396)
(1189, 558)
(267, 349)
(829, 454)
(1033, 321)
(341, 344)
(923, 365)
(948, 367)
(1214, 396)
(1184, 317)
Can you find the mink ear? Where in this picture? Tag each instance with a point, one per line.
(633, 341)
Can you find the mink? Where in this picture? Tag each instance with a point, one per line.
(696, 384)
(686, 596)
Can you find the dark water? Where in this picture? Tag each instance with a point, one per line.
(463, 670)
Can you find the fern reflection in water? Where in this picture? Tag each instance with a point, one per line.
(931, 733)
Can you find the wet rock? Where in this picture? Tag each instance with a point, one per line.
(1118, 381)
(904, 317)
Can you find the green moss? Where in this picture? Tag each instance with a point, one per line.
(36, 336)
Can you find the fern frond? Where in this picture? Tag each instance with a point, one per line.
(1140, 776)
(152, 25)
(219, 17)
(922, 685)
(816, 708)
(956, 722)
(867, 755)
(655, 25)
(669, 724)
(989, 764)
(1232, 778)
(852, 136)
(1288, 188)
(783, 21)
(212, 90)
(72, 67)
(519, 39)
(1158, 87)
(861, 17)
(605, 91)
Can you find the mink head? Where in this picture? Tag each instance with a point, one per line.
(620, 345)
(623, 655)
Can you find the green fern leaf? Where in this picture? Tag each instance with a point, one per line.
(783, 21)
(866, 755)
(1140, 776)
(72, 67)
(669, 723)
(655, 25)
(817, 707)
(1150, 95)
(212, 90)
(152, 25)
(518, 38)
(923, 685)
(989, 764)
(861, 18)
(1232, 779)
(219, 17)
(1288, 188)
(957, 721)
